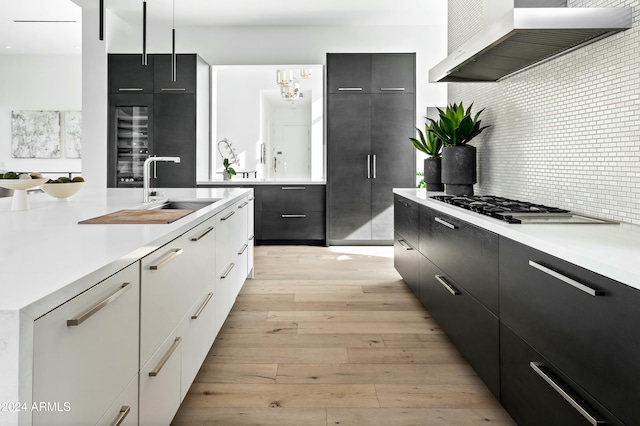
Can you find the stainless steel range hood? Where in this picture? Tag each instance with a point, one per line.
(526, 36)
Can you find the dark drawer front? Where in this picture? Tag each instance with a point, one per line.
(467, 253)
(405, 219)
(293, 226)
(292, 198)
(595, 340)
(532, 400)
(469, 325)
(128, 75)
(349, 73)
(185, 74)
(406, 260)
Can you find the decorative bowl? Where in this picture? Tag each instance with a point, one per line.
(63, 191)
(21, 184)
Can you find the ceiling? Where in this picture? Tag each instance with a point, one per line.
(65, 37)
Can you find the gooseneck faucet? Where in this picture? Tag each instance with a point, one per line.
(146, 172)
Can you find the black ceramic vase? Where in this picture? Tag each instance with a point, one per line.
(433, 174)
(459, 169)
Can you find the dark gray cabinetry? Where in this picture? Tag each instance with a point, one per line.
(406, 257)
(177, 118)
(583, 323)
(368, 148)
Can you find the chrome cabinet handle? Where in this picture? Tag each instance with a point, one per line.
(404, 245)
(445, 223)
(201, 308)
(165, 358)
(349, 89)
(252, 198)
(392, 89)
(130, 89)
(223, 276)
(95, 308)
(368, 166)
(251, 237)
(171, 89)
(244, 247)
(375, 166)
(209, 229)
(291, 216)
(442, 280)
(538, 368)
(124, 411)
(166, 259)
(567, 280)
(243, 205)
(229, 215)
(293, 188)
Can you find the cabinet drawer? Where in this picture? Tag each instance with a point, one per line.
(231, 230)
(393, 73)
(534, 397)
(406, 260)
(291, 198)
(465, 252)
(160, 382)
(86, 350)
(349, 73)
(128, 75)
(124, 411)
(230, 279)
(469, 325)
(293, 226)
(594, 339)
(405, 219)
(185, 74)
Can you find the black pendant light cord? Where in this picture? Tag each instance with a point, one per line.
(173, 44)
(101, 20)
(144, 33)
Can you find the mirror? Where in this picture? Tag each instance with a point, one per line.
(272, 131)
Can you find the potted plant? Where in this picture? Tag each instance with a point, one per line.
(456, 127)
(430, 144)
(228, 171)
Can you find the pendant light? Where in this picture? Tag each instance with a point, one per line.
(101, 24)
(144, 33)
(173, 44)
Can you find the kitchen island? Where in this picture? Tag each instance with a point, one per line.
(49, 259)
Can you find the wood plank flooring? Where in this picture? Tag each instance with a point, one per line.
(333, 336)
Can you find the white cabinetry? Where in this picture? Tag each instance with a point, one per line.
(251, 235)
(86, 352)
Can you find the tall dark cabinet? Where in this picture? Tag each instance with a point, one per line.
(371, 115)
(151, 115)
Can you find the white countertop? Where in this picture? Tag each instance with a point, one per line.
(612, 250)
(46, 253)
(262, 181)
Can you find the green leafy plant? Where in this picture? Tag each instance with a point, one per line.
(429, 142)
(228, 170)
(422, 183)
(456, 126)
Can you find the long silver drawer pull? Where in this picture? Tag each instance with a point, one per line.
(95, 308)
(368, 166)
(537, 367)
(243, 204)
(244, 247)
(130, 89)
(565, 279)
(349, 89)
(176, 89)
(209, 229)
(201, 308)
(124, 411)
(442, 280)
(223, 276)
(445, 223)
(291, 216)
(392, 89)
(229, 215)
(165, 358)
(166, 259)
(375, 166)
(251, 237)
(293, 188)
(404, 245)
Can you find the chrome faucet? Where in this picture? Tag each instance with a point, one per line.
(146, 172)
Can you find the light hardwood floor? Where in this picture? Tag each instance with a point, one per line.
(333, 336)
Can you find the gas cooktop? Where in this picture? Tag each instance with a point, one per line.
(516, 211)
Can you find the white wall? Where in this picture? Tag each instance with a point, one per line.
(33, 82)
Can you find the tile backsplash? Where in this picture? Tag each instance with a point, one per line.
(566, 132)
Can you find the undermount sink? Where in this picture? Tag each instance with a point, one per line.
(180, 204)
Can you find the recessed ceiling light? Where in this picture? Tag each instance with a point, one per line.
(7, 47)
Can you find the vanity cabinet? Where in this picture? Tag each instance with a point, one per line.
(582, 322)
(86, 353)
(367, 130)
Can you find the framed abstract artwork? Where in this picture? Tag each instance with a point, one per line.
(35, 134)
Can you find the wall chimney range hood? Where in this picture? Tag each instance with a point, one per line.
(524, 36)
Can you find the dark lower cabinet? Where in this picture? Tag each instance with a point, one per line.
(293, 226)
(470, 326)
(532, 389)
(406, 260)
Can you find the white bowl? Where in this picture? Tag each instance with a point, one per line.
(21, 184)
(63, 190)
